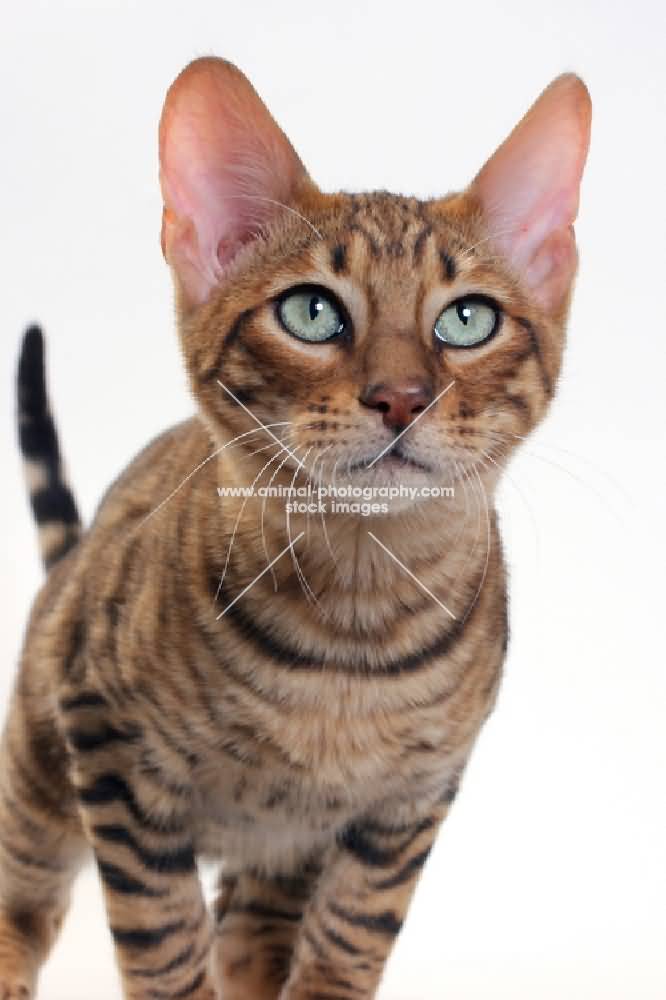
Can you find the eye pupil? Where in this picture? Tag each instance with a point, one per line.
(316, 306)
(464, 313)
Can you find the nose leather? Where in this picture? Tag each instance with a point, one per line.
(399, 402)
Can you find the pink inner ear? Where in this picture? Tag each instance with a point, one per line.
(223, 164)
(529, 189)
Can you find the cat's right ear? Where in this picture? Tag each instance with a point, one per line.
(224, 163)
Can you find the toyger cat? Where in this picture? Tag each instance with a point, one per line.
(297, 696)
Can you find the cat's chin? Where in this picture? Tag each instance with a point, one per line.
(392, 483)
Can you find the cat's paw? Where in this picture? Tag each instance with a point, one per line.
(18, 962)
(13, 989)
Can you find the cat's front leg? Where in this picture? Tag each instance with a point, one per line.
(258, 920)
(358, 908)
(141, 835)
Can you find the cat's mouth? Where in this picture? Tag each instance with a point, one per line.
(393, 458)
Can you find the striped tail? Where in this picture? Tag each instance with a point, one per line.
(53, 505)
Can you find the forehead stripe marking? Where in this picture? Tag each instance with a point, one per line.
(339, 258)
(420, 242)
(449, 269)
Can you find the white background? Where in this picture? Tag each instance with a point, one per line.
(549, 879)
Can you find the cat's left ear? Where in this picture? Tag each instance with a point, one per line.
(224, 164)
(529, 190)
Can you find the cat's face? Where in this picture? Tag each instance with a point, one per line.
(382, 338)
(342, 338)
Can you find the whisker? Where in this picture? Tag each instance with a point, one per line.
(458, 471)
(581, 458)
(279, 204)
(305, 586)
(468, 251)
(503, 438)
(488, 536)
(262, 519)
(324, 526)
(510, 479)
(467, 473)
(239, 516)
(258, 451)
(218, 451)
(312, 480)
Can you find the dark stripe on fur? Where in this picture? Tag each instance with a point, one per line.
(264, 912)
(88, 699)
(372, 243)
(283, 655)
(54, 503)
(182, 958)
(339, 259)
(120, 881)
(179, 861)
(142, 938)
(77, 638)
(108, 788)
(535, 344)
(449, 269)
(87, 741)
(355, 841)
(339, 941)
(408, 870)
(232, 335)
(419, 244)
(386, 923)
(519, 403)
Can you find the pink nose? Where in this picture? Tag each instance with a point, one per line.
(398, 402)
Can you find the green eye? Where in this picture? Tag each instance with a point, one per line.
(467, 322)
(310, 314)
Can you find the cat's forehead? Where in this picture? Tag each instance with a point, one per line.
(386, 218)
(392, 226)
(391, 250)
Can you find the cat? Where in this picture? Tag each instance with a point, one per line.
(209, 676)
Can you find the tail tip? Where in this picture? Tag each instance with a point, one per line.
(31, 378)
(33, 343)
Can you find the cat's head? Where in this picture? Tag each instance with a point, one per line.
(339, 320)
